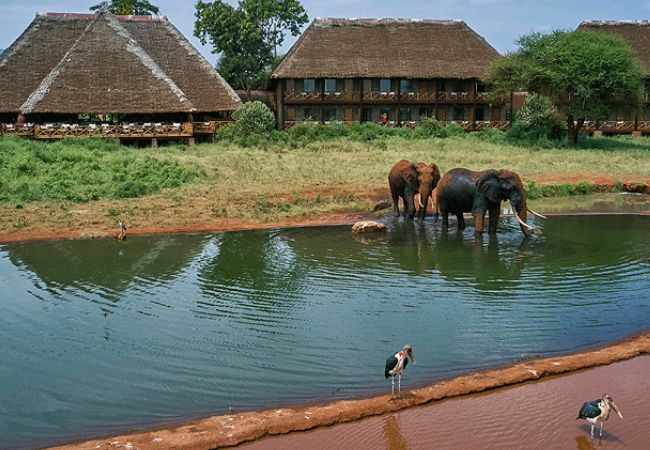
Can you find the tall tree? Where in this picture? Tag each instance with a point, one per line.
(584, 73)
(247, 36)
(128, 7)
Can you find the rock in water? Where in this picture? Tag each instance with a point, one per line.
(368, 226)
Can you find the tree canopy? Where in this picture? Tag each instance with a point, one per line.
(584, 73)
(128, 7)
(247, 36)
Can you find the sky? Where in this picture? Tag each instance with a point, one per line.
(500, 22)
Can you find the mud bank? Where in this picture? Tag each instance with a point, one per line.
(235, 429)
(539, 415)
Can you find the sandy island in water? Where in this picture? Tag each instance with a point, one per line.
(235, 429)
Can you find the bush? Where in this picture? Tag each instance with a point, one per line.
(254, 118)
(429, 127)
(537, 121)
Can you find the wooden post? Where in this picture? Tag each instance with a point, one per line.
(322, 101)
(360, 100)
(280, 104)
(154, 143)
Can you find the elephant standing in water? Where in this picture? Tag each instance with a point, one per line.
(406, 179)
(461, 190)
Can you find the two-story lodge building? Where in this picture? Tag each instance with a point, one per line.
(393, 70)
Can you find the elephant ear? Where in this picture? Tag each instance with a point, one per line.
(436, 174)
(410, 175)
(489, 184)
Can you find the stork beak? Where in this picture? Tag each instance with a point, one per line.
(411, 356)
(615, 408)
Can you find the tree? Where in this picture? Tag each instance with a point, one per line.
(584, 74)
(128, 7)
(247, 36)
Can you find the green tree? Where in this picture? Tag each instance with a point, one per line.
(128, 7)
(247, 36)
(584, 74)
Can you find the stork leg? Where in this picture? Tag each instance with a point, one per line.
(601, 427)
(399, 385)
(392, 380)
(592, 429)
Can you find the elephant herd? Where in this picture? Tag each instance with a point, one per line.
(459, 191)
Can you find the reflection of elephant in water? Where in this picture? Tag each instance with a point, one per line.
(462, 190)
(406, 179)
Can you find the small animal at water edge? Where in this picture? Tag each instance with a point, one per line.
(598, 410)
(395, 365)
(122, 233)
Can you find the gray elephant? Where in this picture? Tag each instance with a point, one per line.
(462, 190)
(406, 179)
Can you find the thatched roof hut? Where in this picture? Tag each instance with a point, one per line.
(635, 32)
(87, 63)
(387, 48)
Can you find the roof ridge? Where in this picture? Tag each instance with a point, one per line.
(187, 45)
(132, 47)
(616, 22)
(383, 20)
(91, 16)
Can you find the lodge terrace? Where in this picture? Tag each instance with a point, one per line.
(68, 74)
(357, 70)
(621, 119)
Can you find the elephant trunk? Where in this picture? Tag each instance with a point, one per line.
(424, 202)
(521, 214)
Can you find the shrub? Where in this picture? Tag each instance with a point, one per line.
(536, 121)
(454, 130)
(254, 118)
(429, 127)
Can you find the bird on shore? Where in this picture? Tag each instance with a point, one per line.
(598, 410)
(396, 364)
(122, 234)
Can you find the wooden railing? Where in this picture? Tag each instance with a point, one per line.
(122, 131)
(385, 97)
(380, 97)
(467, 125)
(301, 97)
(615, 126)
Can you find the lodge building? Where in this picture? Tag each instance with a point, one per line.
(65, 68)
(623, 120)
(358, 70)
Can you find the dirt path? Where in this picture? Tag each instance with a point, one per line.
(229, 430)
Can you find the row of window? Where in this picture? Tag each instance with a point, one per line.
(378, 85)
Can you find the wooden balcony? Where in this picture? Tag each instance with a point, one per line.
(502, 125)
(305, 98)
(380, 97)
(418, 97)
(147, 130)
(456, 97)
(616, 126)
(481, 125)
(341, 97)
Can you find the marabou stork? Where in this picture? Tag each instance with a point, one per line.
(396, 364)
(598, 410)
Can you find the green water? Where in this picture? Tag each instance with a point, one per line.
(102, 336)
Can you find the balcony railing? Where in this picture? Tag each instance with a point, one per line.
(422, 96)
(122, 131)
(380, 97)
(301, 97)
(467, 125)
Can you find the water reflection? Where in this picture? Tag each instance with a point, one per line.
(191, 324)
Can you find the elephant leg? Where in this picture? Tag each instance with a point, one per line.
(409, 205)
(461, 221)
(479, 219)
(395, 197)
(445, 219)
(494, 218)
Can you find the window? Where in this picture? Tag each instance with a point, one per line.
(366, 115)
(480, 87)
(405, 114)
(330, 114)
(330, 85)
(308, 114)
(384, 85)
(309, 85)
(479, 114)
(290, 85)
(406, 86)
(424, 112)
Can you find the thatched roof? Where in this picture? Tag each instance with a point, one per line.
(72, 63)
(635, 32)
(384, 48)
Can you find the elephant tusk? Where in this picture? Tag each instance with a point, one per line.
(536, 214)
(420, 201)
(522, 222)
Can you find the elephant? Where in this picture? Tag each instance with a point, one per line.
(408, 178)
(462, 190)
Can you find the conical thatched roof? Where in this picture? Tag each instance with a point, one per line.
(383, 48)
(72, 63)
(635, 32)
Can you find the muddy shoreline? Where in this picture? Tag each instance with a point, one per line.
(230, 430)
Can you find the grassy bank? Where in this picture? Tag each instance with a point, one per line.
(177, 186)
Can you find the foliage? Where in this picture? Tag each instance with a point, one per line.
(82, 170)
(582, 72)
(535, 191)
(429, 127)
(254, 118)
(247, 36)
(536, 121)
(128, 7)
